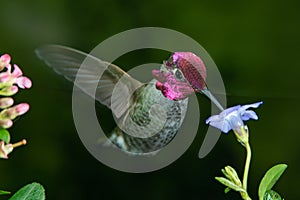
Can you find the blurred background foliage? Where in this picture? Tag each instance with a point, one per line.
(255, 44)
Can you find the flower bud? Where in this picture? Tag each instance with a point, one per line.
(6, 123)
(234, 176)
(21, 108)
(6, 102)
(9, 91)
(13, 112)
(4, 61)
(242, 134)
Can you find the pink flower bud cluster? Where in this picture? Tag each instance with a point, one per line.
(10, 82)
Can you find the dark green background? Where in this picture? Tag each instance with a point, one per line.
(255, 45)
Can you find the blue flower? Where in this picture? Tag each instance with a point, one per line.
(233, 117)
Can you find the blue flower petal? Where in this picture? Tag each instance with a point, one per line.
(223, 125)
(212, 118)
(227, 111)
(253, 105)
(249, 114)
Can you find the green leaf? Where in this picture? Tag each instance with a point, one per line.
(270, 178)
(4, 135)
(4, 192)
(33, 191)
(227, 190)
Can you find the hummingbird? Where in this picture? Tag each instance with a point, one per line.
(155, 110)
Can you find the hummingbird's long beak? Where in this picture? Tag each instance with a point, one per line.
(207, 93)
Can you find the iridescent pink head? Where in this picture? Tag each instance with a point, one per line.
(180, 76)
(192, 68)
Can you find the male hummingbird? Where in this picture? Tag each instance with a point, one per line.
(154, 112)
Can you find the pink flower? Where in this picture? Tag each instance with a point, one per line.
(9, 78)
(16, 77)
(4, 61)
(22, 81)
(5, 149)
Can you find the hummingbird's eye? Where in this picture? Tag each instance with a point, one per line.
(178, 74)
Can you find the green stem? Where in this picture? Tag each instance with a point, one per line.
(245, 196)
(247, 165)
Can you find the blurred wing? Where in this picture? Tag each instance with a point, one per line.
(67, 62)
